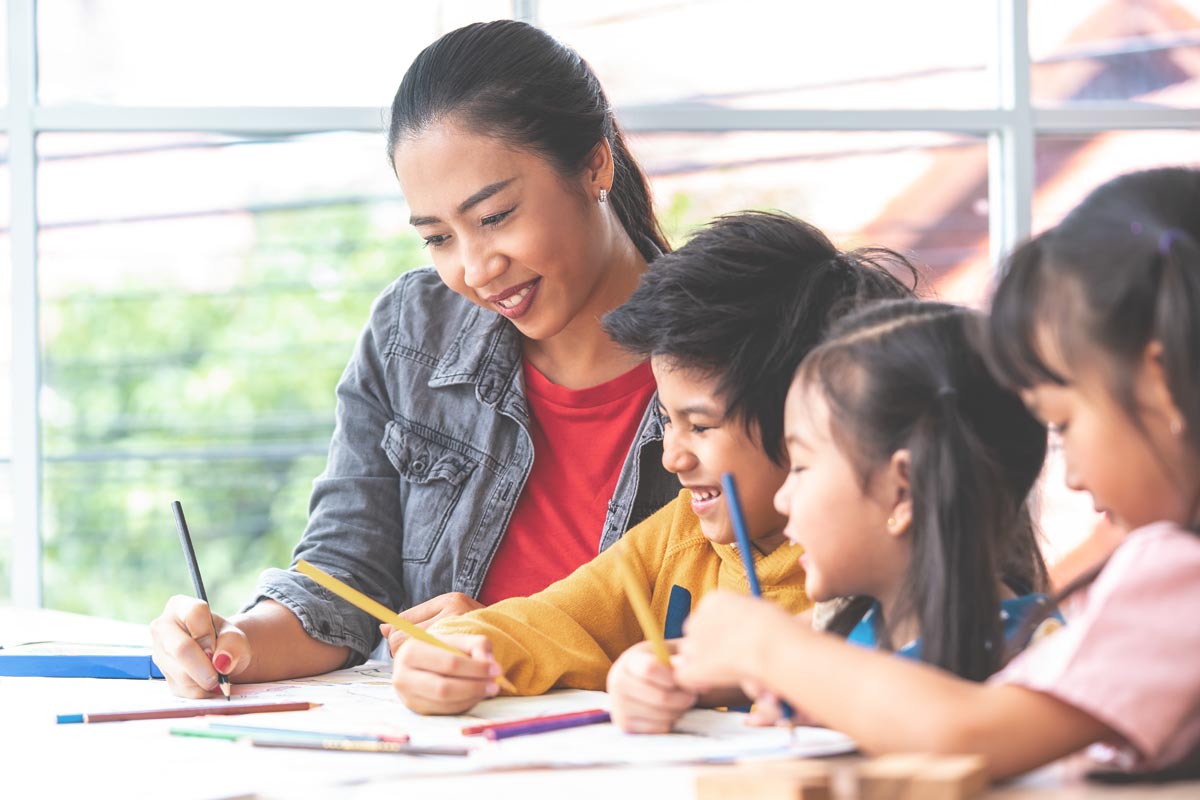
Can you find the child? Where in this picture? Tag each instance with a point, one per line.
(1097, 321)
(910, 468)
(725, 320)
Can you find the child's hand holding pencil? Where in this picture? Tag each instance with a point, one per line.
(432, 680)
(644, 696)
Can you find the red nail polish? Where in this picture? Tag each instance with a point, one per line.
(222, 662)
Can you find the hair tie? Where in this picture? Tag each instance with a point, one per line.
(1167, 238)
(947, 393)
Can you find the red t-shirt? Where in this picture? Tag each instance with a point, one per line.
(580, 440)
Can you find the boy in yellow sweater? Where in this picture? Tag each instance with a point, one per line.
(725, 321)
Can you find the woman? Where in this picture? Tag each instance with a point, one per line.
(538, 221)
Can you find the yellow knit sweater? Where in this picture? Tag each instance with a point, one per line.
(569, 634)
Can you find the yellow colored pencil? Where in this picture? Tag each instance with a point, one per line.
(641, 608)
(382, 613)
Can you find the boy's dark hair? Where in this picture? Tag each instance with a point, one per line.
(515, 82)
(745, 300)
(911, 376)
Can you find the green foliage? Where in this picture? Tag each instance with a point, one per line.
(223, 400)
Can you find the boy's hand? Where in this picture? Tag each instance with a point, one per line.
(431, 680)
(644, 697)
(450, 604)
(189, 652)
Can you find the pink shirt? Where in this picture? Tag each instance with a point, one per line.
(1130, 655)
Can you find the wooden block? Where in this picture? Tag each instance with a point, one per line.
(887, 777)
(922, 776)
(775, 780)
(950, 778)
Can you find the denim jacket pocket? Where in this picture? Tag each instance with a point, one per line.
(432, 477)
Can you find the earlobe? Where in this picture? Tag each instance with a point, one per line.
(1157, 390)
(900, 518)
(600, 168)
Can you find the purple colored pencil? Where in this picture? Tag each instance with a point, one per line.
(544, 725)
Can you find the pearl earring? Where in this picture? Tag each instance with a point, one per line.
(603, 196)
(1176, 426)
(891, 522)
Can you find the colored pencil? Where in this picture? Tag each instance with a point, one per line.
(476, 730)
(381, 612)
(747, 550)
(544, 725)
(184, 711)
(246, 731)
(636, 591)
(352, 746)
(189, 553)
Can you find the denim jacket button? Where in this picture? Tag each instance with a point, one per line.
(418, 466)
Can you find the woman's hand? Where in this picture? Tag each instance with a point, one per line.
(644, 697)
(425, 614)
(431, 680)
(190, 653)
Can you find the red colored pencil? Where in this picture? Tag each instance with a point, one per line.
(185, 711)
(476, 730)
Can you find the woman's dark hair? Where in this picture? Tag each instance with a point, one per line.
(512, 81)
(911, 376)
(1120, 271)
(745, 300)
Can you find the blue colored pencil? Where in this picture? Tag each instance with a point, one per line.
(747, 550)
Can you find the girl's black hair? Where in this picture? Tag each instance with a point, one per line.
(515, 82)
(908, 375)
(1120, 271)
(745, 300)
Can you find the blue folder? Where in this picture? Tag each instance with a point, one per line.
(78, 665)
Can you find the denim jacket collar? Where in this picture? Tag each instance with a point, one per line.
(486, 352)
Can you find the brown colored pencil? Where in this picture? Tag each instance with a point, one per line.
(185, 711)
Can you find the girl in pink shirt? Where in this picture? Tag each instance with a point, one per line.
(1097, 323)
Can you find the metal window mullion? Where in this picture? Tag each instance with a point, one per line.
(1011, 173)
(26, 381)
(525, 10)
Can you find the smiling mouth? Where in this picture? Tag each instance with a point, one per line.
(511, 298)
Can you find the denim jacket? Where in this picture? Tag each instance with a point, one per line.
(429, 454)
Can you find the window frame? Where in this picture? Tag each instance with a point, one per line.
(1011, 130)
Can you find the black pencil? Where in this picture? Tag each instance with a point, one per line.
(189, 553)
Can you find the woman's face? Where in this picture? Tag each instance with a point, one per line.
(508, 232)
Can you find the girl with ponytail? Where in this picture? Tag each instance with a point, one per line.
(946, 458)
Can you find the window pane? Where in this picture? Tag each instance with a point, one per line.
(1106, 50)
(200, 298)
(923, 194)
(767, 54)
(6, 384)
(3, 55)
(6, 543)
(1068, 167)
(231, 52)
